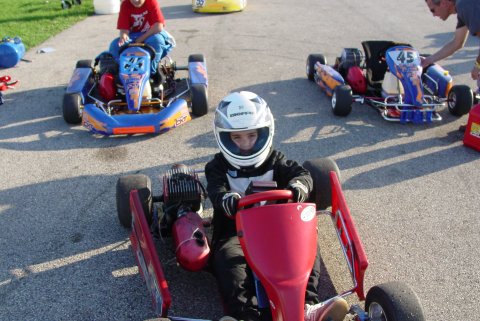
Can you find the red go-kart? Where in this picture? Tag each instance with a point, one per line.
(279, 240)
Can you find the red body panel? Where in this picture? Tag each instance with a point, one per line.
(355, 254)
(282, 259)
(147, 258)
(191, 245)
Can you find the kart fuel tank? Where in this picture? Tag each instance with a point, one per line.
(471, 137)
(11, 52)
(191, 244)
(437, 81)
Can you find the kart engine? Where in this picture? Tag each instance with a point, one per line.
(182, 197)
(182, 192)
(181, 187)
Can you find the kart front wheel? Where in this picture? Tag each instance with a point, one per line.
(72, 108)
(199, 97)
(312, 59)
(320, 169)
(125, 185)
(393, 301)
(460, 100)
(342, 100)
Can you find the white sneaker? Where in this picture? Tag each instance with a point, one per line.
(334, 310)
(227, 318)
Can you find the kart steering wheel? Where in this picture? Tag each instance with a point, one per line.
(266, 196)
(149, 48)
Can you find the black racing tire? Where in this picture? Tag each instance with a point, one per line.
(460, 100)
(78, 1)
(342, 100)
(199, 97)
(320, 169)
(125, 185)
(87, 63)
(72, 108)
(312, 59)
(197, 58)
(393, 301)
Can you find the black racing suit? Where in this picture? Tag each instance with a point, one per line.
(228, 262)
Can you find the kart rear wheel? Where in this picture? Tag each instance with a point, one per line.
(125, 185)
(312, 59)
(460, 100)
(72, 108)
(342, 100)
(320, 169)
(393, 301)
(196, 58)
(87, 63)
(199, 96)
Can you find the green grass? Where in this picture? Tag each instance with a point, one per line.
(37, 20)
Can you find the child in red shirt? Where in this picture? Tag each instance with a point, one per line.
(142, 21)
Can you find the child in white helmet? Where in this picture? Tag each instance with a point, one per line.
(244, 129)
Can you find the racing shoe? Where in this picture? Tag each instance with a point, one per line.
(334, 310)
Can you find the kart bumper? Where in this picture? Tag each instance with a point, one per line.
(98, 121)
(218, 6)
(403, 113)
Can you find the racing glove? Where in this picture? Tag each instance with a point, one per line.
(230, 204)
(300, 191)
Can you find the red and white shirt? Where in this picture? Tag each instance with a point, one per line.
(139, 19)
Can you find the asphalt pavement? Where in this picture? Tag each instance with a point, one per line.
(412, 189)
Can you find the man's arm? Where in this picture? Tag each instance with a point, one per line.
(448, 49)
(476, 68)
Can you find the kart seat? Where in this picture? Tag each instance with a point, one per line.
(375, 62)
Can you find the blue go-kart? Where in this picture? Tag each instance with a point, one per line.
(389, 77)
(115, 98)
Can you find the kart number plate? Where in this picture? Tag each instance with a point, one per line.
(405, 57)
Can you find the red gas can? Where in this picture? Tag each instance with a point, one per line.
(472, 132)
(191, 244)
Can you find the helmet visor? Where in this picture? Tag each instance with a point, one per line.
(234, 149)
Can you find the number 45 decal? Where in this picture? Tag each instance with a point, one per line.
(406, 56)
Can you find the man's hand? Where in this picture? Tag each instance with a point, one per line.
(425, 61)
(300, 191)
(230, 204)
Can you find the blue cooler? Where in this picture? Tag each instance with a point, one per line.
(11, 52)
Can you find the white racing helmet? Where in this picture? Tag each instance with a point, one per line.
(240, 111)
